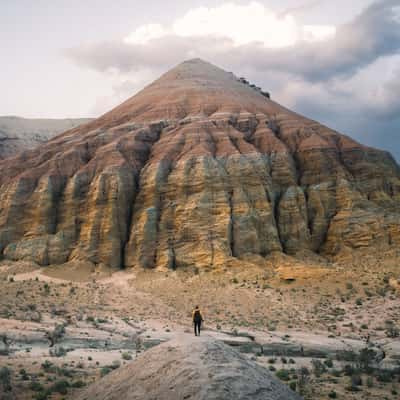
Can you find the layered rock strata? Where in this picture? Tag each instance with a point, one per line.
(196, 169)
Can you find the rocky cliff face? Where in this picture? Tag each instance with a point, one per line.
(196, 169)
(19, 134)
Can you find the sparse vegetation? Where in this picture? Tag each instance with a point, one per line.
(5, 379)
(283, 374)
(126, 356)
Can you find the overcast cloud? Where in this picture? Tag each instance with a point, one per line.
(252, 36)
(336, 62)
(331, 73)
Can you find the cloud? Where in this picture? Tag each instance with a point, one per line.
(244, 24)
(332, 73)
(385, 101)
(302, 8)
(145, 33)
(253, 35)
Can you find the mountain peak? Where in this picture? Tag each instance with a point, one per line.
(196, 69)
(192, 88)
(198, 169)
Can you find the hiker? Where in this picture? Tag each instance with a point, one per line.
(197, 320)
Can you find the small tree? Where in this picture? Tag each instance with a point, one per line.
(6, 342)
(303, 380)
(365, 359)
(55, 335)
(318, 367)
(5, 379)
(392, 331)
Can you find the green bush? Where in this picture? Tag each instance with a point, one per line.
(348, 370)
(356, 380)
(58, 352)
(126, 356)
(24, 375)
(383, 376)
(332, 394)
(392, 332)
(36, 386)
(60, 387)
(346, 355)
(105, 370)
(365, 358)
(46, 288)
(78, 384)
(5, 379)
(44, 395)
(48, 366)
(64, 372)
(318, 367)
(283, 374)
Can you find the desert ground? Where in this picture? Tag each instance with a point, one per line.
(326, 329)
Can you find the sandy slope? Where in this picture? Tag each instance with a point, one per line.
(190, 368)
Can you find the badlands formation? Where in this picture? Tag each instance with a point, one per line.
(198, 169)
(202, 190)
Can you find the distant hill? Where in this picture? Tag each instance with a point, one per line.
(18, 134)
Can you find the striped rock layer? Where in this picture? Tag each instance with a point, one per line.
(195, 169)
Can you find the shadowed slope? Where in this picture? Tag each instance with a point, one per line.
(197, 168)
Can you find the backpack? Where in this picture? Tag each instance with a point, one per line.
(197, 316)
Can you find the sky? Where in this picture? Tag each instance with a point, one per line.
(337, 62)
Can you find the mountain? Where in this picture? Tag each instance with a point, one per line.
(199, 168)
(19, 134)
(203, 369)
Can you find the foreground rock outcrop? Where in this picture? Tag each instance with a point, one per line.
(197, 169)
(190, 368)
(19, 134)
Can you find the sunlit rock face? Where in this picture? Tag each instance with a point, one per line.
(195, 169)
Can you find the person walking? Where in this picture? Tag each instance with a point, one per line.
(197, 320)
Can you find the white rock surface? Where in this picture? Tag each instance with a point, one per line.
(190, 367)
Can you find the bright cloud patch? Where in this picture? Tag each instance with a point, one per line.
(145, 33)
(243, 24)
(313, 33)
